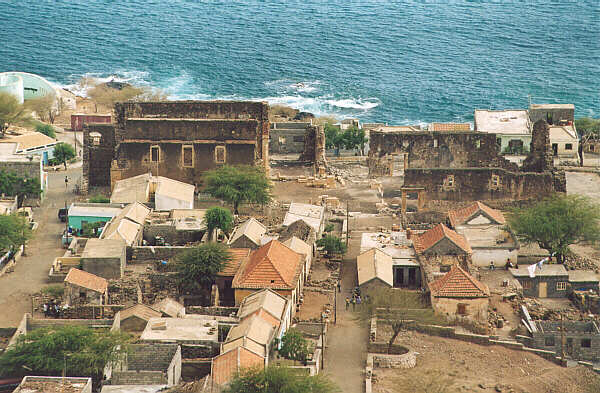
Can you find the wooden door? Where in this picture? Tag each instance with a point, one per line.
(543, 289)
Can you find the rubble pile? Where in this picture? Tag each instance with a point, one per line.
(539, 312)
(578, 262)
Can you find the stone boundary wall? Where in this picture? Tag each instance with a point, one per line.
(146, 254)
(216, 311)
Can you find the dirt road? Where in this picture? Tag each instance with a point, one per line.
(30, 273)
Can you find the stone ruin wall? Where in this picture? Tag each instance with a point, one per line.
(125, 145)
(314, 146)
(467, 165)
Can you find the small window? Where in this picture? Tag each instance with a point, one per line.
(187, 153)
(591, 147)
(96, 140)
(549, 341)
(568, 146)
(450, 180)
(299, 138)
(561, 286)
(155, 153)
(220, 154)
(461, 309)
(586, 343)
(478, 143)
(282, 140)
(82, 295)
(435, 143)
(526, 284)
(495, 180)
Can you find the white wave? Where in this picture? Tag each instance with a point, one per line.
(138, 78)
(353, 104)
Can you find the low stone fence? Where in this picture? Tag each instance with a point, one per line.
(216, 311)
(381, 360)
(146, 254)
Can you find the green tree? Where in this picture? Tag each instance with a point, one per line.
(90, 229)
(587, 126)
(63, 153)
(198, 266)
(355, 138)
(46, 351)
(14, 232)
(556, 222)
(332, 244)
(331, 133)
(12, 112)
(279, 380)
(15, 185)
(99, 199)
(218, 217)
(238, 184)
(397, 308)
(294, 346)
(45, 129)
(329, 228)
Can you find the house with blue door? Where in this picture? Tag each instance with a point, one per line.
(33, 144)
(81, 213)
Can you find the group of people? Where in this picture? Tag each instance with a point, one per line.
(52, 309)
(509, 265)
(354, 300)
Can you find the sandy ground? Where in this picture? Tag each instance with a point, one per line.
(465, 367)
(31, 272)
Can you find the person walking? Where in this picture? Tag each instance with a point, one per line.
(358, 300)
(347, 303)
(339, 285)
(353, 303)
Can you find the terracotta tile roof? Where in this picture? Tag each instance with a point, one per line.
(450, 127)
(227, 364)
(460, 216)
(274, 265)
(238, 256)
(430, 238)
(457, 283)
(141, 311)
(86, 280)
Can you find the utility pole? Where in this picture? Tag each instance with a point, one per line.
(562, 339)
(335, 304)
(347, 221)
(322, 342)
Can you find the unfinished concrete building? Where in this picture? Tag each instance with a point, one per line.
(464, 165)
(176, 139)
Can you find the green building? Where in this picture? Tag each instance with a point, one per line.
(85, 213)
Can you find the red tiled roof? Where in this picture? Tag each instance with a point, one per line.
(227, 364)
(457, 283)
(450, 127)
(460, 216)
(238, 255)
(86, 280)
(430, 238)
(274, 265)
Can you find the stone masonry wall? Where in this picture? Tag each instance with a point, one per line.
(480, 183)
(97, 158)
(435, 150)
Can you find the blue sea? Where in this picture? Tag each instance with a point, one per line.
(385, 61)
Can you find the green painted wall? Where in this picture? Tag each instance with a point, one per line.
(76, 222)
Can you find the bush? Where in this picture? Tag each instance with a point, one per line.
(45, 129)
(90, 229)
(329, 228)
(54, 290)
(99, 199)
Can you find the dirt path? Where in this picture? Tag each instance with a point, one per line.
(583, 183)
(345, 354)
(31, 272)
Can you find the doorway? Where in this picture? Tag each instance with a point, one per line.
(412, 276)
(555, 149)
(543, 289)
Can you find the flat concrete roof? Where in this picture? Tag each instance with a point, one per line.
(505, 122)
(582, 276)
(485, 236)
(545, 271)
(95, 209)
(395, 244)
(103, 248)
(132, 388)
(552, 106)
(181, 330)
(8, 153)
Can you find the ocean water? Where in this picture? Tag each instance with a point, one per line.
(395, 62)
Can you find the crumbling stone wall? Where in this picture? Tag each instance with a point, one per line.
(540, 156)
(97, 158)
(480, 183)
(434, 150)
(576, 334)
(240, 127)
(314, 145)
